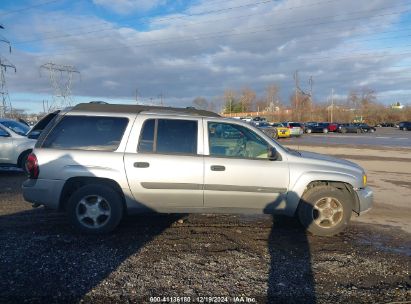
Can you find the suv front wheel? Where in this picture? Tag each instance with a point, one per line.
(95, 209)
(325, 210)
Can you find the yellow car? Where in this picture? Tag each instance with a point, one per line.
(282, 131)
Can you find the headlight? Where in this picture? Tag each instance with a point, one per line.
(364, 180)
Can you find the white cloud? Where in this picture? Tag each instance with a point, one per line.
(204, 54)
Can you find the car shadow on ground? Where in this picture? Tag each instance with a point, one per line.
(44, 260)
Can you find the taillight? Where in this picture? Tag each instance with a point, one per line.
(32, 166)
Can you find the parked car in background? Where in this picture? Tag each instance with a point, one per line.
(15, 146)
(331, 126)
(349, 128)
(247, 119)
(406, 126)
(295, 128)
(258, 119)
(386, 124)
(366, 128)
(99, 162)
(355, 128)
(266, 128)
(320, 127)
(282, 131)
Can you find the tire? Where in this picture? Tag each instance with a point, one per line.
(23, 159)
(372, 130)
(343, 130)
(359, 131)
(87, 202)
(308, 131)
(336, 205)
(325, 131)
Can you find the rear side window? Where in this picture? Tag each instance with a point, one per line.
(169, 136)
(95, 133)
(295, 124)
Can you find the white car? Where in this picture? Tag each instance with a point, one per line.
(15, 146)
(296, 128)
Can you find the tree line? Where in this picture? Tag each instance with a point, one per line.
(360, 105)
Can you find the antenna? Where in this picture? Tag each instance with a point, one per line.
(61, 80)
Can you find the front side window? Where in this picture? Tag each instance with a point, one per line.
(94, 133)
(230, 140)
(169, 136)
(3, 133)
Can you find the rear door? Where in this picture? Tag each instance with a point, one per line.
(237, 171)
(164, 162)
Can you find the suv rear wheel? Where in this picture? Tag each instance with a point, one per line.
(95, 209)
(325, 210)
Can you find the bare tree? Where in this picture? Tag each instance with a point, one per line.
(230, 101)
(200, 103)
(272, 98)
(247, 99)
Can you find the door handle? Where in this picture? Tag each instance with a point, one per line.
(217, 168)
(141, 165)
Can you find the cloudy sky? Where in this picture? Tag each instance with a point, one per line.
(183, 49)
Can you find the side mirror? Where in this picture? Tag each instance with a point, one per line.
(272, 153)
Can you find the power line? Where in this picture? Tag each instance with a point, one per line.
(215, 11)
(175, 17)
(27, 8)
(208, 35)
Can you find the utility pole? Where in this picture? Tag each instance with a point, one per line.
(161, 98)
(136, 96)
(332, 105)
(311, 81)
(296, 93)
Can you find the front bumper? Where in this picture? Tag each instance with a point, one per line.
(43, 191)
(366, 198)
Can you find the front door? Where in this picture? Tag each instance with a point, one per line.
(238, 173)
(165, 170)
(6, 147)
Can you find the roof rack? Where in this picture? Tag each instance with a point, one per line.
(122, 108)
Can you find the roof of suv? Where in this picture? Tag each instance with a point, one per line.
(121, 108)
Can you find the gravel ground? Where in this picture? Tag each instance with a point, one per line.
(267, 259)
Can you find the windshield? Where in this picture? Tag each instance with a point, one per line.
(16, 127)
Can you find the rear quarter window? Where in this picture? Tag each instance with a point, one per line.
(95, 133)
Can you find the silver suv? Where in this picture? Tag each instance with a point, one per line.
(98, 162)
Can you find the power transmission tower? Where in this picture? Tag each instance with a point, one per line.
(61, 80)
(5, 99)
(4, 94)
